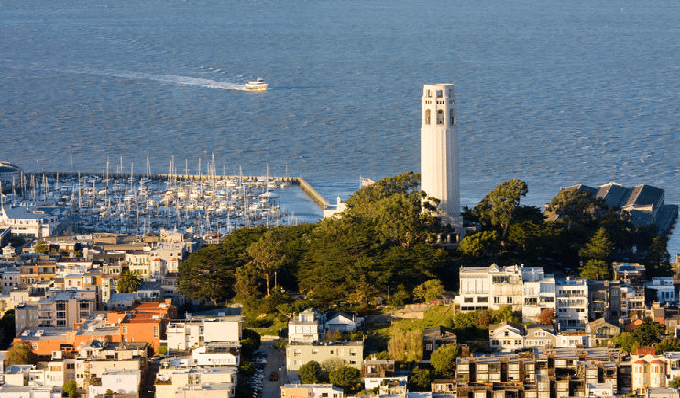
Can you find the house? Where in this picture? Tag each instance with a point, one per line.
(601, 332)
(540, 336)
(573, 339)
(506, 337)
(436, 337)
(306, 327)
(343, 321)
(647, 371)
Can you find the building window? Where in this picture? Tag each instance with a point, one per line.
(509, 300)
(428, 116)
(440, 116)
(156, 332)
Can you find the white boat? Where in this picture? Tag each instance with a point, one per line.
(258, 85)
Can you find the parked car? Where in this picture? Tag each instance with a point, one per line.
(274, 376)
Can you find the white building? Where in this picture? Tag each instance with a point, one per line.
(39, 222)
(306, 327)
(665, 289)
(571, 304)
(439, 156)
(195, 331)
(525, 289)
(118, 381)
(506, 337)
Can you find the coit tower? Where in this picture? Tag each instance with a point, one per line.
(439, 151)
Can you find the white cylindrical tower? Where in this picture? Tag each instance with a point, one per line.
(440, 151)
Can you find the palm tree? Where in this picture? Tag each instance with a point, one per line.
(128, 282)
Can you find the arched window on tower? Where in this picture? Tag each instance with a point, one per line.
(440, 116)
(428, 116)
(429, 93)
(452, 116)
(440, 93)
(450, 93)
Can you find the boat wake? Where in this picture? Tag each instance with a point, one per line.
(176, 80)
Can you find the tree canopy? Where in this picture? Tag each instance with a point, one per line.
(497, 207)
(444, 360)
(128, 282)
(21, 353)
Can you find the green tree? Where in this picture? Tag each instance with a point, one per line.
(128, 282)
(311, 373)
(596, 270)
(497, 207)
(675, 383)
(625, 341)
(444, 360)
(572, 205)
(478, 244)
(398, 297)
(347, 378)
(648, 333)
(658, 260)
(209, 273)
(429, 290)
(420, 380)
(7, 329)
(21, 353)
(42, 248)
(598, 248)
(70, 389)
(668, 344)
(267, 255)
(250, 341)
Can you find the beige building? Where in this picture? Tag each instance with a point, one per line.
(195, 382)
(647, 371)
(350, 353)
(311, 391)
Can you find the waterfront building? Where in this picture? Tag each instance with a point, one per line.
(440, 152)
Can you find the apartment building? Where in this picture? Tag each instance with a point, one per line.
(60, 309)
(544, 373)
(350, 353)
(179, 378)
(197, 330)
(525, 289)
(571, 304)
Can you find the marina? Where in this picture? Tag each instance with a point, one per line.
(207, 206)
